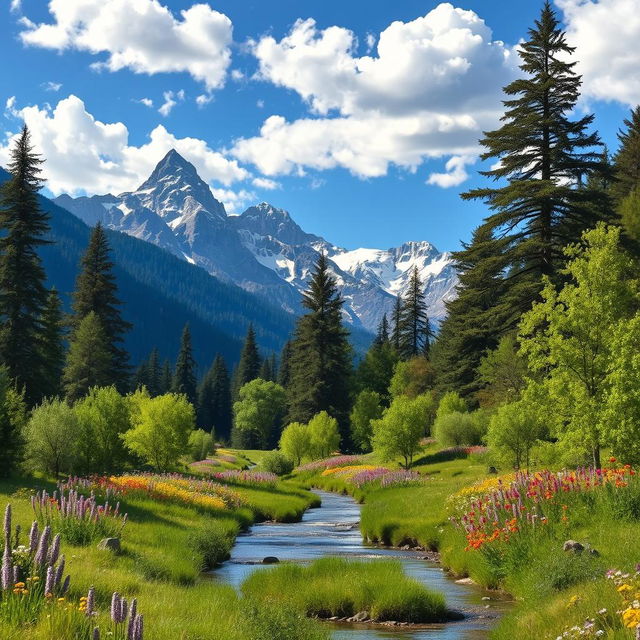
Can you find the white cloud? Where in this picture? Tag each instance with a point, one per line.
(431, 89)
(260, 104)
(237, 75)
(171, 99)
(606, 34)
(140, 35)
(15, 5)
(203, 99)
(147, 102)
(234, 201)
(84, 155)
(266, 183)
(456, 172)
(52, 86)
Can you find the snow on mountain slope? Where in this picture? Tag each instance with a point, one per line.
(263, 249)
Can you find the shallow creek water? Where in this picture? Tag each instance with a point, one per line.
(332, 530)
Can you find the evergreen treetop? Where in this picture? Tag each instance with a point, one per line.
(184, 379)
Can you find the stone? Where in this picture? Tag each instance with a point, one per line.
(111, 544)
(492, 470)
(465, 581)
(573, 545)
(361, 616)
(270, 560)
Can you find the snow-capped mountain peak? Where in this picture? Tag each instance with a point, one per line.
(263, 249)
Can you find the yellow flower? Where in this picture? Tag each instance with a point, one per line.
(631, 618)
(624, 588)
(20, 585)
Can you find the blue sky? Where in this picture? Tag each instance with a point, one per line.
(360, 118)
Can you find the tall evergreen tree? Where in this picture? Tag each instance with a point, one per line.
(23, 296)
(626, 185)
(214, 400)
(265, 370)
(166, 379)
(415, 328)
(321, 355)
(97, 291)
(184, 378)
(474, 318)
(249, 366)
(397, 322)
(52, 345)
(543, 155)
(382, 335)
(13, 418)
(284, 371)
(89, 359)
(154, 373)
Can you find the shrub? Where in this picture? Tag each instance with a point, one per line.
(457, 429)
(451, 402)
(323, 434)
(212, 542)
(366, 408)
(295, 442)
(276, 462)
(201, 444)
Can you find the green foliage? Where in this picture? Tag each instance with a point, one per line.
(503, 370)
(321, 355)
(51, 438)
(401, 427)
(414, 329)
(629, 211)
(214, 400)
(627, 160)
(276, 462)
(23, 297)
(459, 429)
(412, 377)
(271, 620)
(539, 204)
(103, 416)
(53, 351)
(259, 411)
(211, 542)
(89, 362)
(336, 587)
(184, 378)
(570, 338)
(367, 407)
(376, 369)
(323, 435)
(13, 418)
(249, 365)
(97, 292)
(451, 402)
(160, 428)
(295, 442)
(515, 429)
(200, 445)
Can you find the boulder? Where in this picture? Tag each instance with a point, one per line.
(111, 544)
(270, 560)
(465, 581)
(573, 545)
(361, 616)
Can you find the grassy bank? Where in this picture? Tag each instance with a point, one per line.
(165, 546)
(335, 587)
(557, 591)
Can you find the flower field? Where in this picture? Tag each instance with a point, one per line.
(363, 475)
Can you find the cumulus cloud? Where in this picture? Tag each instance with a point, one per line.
(15, 5)
(203, 99)
(431, 89)
(234, 201)
(84, 155)
(171, 99)
(455, 174)
(606, 34)
(266, 183)
(143, 36)
(147, 102)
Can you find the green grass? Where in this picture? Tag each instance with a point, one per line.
(164, 548)
(336, 587)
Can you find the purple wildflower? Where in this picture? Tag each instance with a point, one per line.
(65, 585)
(115, 606)
(50, 581)
(33, 537)
(54, 552)
(138, 628)
(96, 634)
(7, 571)
(7, 526)
(91, 601)
(43, 547)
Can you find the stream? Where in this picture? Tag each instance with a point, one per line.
(332, 530)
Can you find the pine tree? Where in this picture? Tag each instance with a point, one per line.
(284, 372)
(23, 296)
(154, 373)
(625, 189)
(397, 321)
(13, 418)
(474, 318)
(97, 291)
(382, 335)
(166, 379)
(249, 366)
(215, 400)
(184, 379)
(543, 155)
(321, 355)
(52, 346)
(89, 359)
(273, 365)
(415, 329)
(265, 370)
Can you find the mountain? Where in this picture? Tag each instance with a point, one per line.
(263, 250)
(161, 292)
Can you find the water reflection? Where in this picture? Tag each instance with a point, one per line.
(333, 530)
